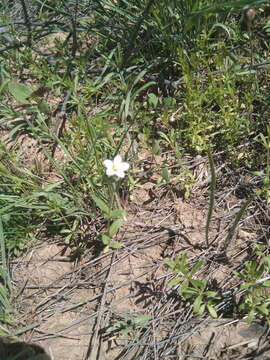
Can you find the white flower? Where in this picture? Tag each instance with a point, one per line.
(116, 167)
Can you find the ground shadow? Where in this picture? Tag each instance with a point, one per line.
(22, 351)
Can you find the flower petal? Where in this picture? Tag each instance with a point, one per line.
(110, 171)
(124, 166)
(120, 174)
(108, 163)
(117, 160)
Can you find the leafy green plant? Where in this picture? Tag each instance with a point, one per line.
(114, 218)
(255, 301)
(195, 292)
(129, 325)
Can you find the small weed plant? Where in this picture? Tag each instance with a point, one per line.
(193, 291)
(255, 301)
(129, 326)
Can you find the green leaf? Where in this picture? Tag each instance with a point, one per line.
(115, 245)
(197, 267)
(20, 91)
(165, 175)
(246, 285)
(183, 264)
(65, 231)
(142, 320)
(3, 85)
(169, 263)
(212, 294)
(251, 316)
(212, 311)
(102, 205)
(189, 291)
(266, 260)
(116, 326)
(263, 309)
(266, 283)
(169, 102)
(68, 238)
(199, 284)
(156, 149)
(202, 309)
(174, 282)
(43, 107)
(105, 239)
(152, 100)
(197, 304)
(25, 329)
(115, 226)
(118, 213)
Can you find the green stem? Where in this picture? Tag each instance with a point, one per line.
(212, 196)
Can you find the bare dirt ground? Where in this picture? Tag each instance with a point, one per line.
(75, 302)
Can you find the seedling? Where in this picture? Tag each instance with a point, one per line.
(129, 325)
(255, 301)
(194, 292)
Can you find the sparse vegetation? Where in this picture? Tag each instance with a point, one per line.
(179, 89)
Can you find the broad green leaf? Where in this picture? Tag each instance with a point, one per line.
(189, 291)
(118, 213)
(197, 267)
(20, 91)
(197, 304)
(115, 245)
(174, 282)
(202, 309)
(105, 239)
(212, 311)
(68, 238)
(212, 294)
(115, 226)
